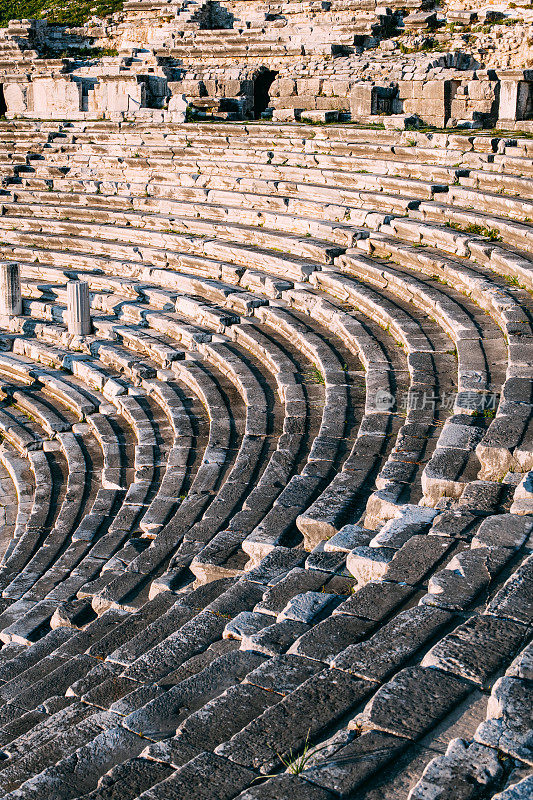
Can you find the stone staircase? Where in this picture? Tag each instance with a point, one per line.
(269, 525)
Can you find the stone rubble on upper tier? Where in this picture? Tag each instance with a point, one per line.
(401, 64)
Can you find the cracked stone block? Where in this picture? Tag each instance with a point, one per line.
(375, 600)
(465, 575)
(393, 643)
(478, 648)
(509, 715)
(275, 565)
(330, 637)
(503, 530)
(275, 638)
(128, 780)
(413, 701)
(246, 624)
(515, 599)
(523, 790)
(522, 666)
(345, 770)
(396, 532)
(210, 776)
(283, 673)
(224, 716)
(323, 560)
(348, 538)
(80, 771)
(296, 581)
(463, 773)
(417, 557)
(305, 607)
(164, 713)
(299, 717)
(285, 786)
(369, 563)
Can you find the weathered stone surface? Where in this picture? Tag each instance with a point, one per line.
(515, 599)
(274, 639)
(508, 725)
(392, 644)
(417, 557)
(522, 666)
(224, 716)
(128, 780)
(163, 714)
(375, 600)
(210, 775)
(305, 607)
(413, 701)
(369, 563)
(351, 765)
(517, 791)
(503, 530)
(246, 624)
(348, 538)
(286, 786)
(330, 637)
(465, 575)
(296, 581)
(318, 702)
(464, 772)
(478, 648)
(283, 673)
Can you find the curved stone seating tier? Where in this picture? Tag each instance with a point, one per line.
(279, 500)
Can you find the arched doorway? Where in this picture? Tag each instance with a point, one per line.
(262, 83)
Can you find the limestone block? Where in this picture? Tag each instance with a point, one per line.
(283, 673)
(283, 87)
(392, 644)
(348, 766)
(408, 90)
(369, 563)
(481, 90)
(283, 115)
(413, 701)
(460, 774)
(177, 108)
(305, 607)
(434, 90)
(517, 791)
(509, 714)
(522, 666)
(308, 86)
(56, 97)
(319, 116)
(478, 648)
(16, 97)
(361, 101)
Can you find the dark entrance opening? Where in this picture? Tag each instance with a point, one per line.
(262, 84)
(3, 107)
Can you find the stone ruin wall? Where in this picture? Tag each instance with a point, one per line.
(344, 63)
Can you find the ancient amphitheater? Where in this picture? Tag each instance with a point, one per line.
(266, 402)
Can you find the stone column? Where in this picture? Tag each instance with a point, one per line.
(78, 309)
(10, 296)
